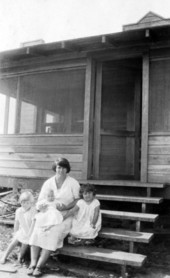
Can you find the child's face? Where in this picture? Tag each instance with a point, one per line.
(50, 196)
(26, 204)
(88, 196)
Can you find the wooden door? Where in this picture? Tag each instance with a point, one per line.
(117, 120)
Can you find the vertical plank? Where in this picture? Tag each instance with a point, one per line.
(88, 119)
(6, 115)
(97, 135)
(18, 108)
(137, 126)
(129, 166)
(145, 117)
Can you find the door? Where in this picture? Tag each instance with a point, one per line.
(117, 120)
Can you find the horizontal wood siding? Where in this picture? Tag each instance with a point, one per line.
(159, 158)
(32, 156)
(159, 120)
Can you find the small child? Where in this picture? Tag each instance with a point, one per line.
(87, 217)
(23, 220)
(47, 217)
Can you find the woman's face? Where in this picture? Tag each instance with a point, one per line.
(60, 171)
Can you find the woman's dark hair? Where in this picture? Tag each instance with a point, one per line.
(87, 188)
(62, 162)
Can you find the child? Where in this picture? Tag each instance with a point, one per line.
(87, 217)
(47, 217)
(23, 220)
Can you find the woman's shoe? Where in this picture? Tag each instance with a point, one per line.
(37, 272)
(30, 270)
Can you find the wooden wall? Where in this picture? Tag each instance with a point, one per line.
(159, 158)
(159, 121)
(32, 156)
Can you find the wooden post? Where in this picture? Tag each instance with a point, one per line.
(6, 115)
(123, 271)
(18, 108)
(131, 246)
(138, 226)
(88, 119)
(97, 133)
(145, 117)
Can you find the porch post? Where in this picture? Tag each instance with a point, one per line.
(88, 119)
(145, 117)
(18, 108)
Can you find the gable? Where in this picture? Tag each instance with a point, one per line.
(148, 21)
(150, 17)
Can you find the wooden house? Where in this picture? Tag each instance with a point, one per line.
(103, 102)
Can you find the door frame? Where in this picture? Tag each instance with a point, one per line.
(97, 123)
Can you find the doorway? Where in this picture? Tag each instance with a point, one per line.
(117, 127)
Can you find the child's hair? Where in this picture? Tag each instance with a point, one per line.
(40, 204)
(87, 188)
(26, 196)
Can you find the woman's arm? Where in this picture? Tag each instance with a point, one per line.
(95, 217)
(62, 207)
(71, 212)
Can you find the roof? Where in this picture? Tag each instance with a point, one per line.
(130, 37)
(148, 21)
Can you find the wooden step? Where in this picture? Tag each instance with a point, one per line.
(123, 183)
(136, 199)
(148, 217)
(124, 215)
(105, 255)
(126, 235)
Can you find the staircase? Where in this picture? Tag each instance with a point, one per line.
(144, 199)
(134, 194)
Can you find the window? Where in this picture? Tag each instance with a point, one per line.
(47, 103)
(8, 93)
(159, 102)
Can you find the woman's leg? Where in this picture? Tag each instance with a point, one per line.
(11, 246)
(35, 252)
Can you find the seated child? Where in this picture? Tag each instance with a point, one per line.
(23, 220)
(47, 216)
(86, 217)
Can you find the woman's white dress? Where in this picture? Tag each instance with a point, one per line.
(65, 195)
(81, 227)
(25, 219)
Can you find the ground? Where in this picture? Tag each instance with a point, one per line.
(157, 265)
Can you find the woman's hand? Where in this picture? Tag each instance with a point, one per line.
(60, 207)
(93, 226)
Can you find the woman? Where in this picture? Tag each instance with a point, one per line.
(66, 190)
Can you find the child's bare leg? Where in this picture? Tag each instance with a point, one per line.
(11, 246)
(35, 252)
(23, 250)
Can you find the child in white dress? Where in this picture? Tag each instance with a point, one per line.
(23, 220)
(47, 217)
(86, 217)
